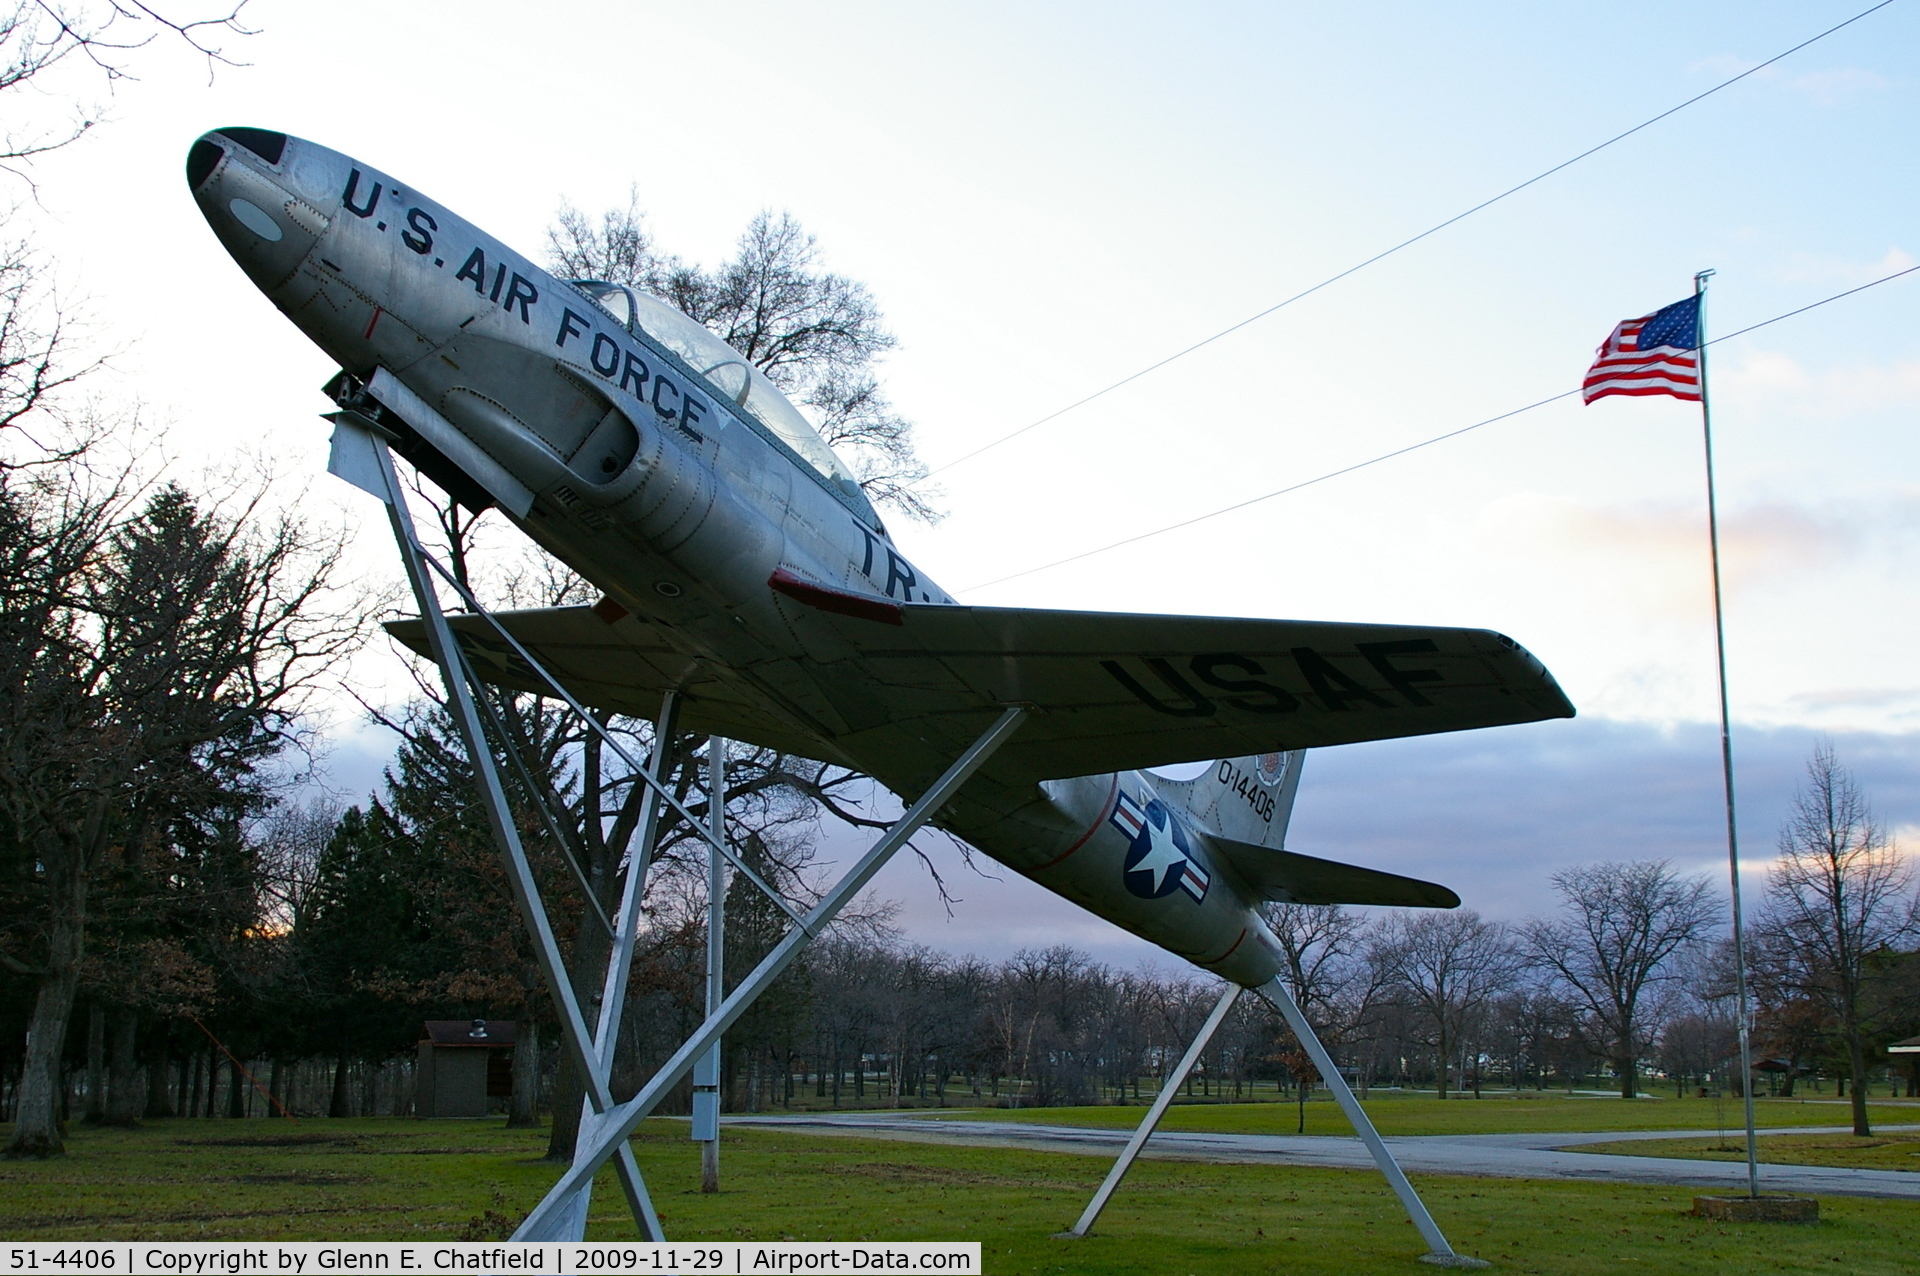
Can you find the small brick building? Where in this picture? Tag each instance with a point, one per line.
(463, 1064)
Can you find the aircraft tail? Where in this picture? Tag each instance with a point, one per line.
(1246, 799)
(1245, 804)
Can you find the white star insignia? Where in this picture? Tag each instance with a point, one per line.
(1162, 856)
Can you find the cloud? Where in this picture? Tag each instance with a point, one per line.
(1493, 814)
(1778, 381)
(1825, 88)
(1854, 698)
(1651, 556)
(1831, 87)
(1817, 268)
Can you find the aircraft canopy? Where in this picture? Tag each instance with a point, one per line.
(730, 373)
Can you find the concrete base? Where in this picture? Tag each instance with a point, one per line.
(1758, 1209)
(1454, 1260)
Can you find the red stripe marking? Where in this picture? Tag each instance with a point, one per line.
(377, 312)
(839, 601)
(1106, 810)
(1223, 956)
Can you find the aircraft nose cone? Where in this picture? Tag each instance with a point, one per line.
(236, 177)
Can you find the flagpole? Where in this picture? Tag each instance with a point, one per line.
(1726, 742)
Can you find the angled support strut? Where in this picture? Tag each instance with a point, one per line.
(716, 841)
(1274, 993)
(361, 457)
(618, 1125)
(570, 1224)
(1168, 1088)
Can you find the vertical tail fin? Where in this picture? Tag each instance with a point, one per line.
(1247, 799)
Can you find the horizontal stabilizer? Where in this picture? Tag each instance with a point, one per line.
(1287, 877)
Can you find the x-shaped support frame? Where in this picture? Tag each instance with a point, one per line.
(615, 1127)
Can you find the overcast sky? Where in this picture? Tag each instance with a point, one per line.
(1048, 197)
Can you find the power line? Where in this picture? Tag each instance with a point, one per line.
(1411, 447)
(1405, 243)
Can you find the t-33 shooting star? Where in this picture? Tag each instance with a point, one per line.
(745, 571)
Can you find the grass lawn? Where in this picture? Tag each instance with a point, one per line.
(1508, 1112)
(269, 1180)
(1881, 1152)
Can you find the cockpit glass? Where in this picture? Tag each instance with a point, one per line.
(613, 299)
(730, 373)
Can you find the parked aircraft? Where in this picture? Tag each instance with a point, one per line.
(743, 567)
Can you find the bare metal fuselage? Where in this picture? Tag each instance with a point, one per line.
(624, 462)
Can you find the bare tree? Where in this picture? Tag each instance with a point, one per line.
(617, 248)
(1837, 903)
(1449, 966)
(38, 37)
(1319, 942)
(1696, 1042)
(1623, 930)
(290, 844)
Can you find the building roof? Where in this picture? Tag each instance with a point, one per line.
(1910, 1046)
(497, 1034)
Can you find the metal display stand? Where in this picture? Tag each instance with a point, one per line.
(706, 1073)
(613, 993)
(1168, 1088)
(1275, 993)
(361, 457)
(616, 1125)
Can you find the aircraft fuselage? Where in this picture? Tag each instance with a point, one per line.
(643, 473)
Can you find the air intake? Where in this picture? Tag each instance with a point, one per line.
(268, 146)
(201, 161)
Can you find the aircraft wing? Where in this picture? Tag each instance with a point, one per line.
(1118, 691)
(618, 663)
(1110, 691)
(1292, 878)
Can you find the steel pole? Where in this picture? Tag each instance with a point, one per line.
(1168, 1089)
(1275, 992)
(539, 670)
(706, 1073)
(1726, 746)
(613, 992)
(613, 997)
(620, 1124)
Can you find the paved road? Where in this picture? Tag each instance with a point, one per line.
(1532, 1156)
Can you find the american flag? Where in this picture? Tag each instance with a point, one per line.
(1654, 354)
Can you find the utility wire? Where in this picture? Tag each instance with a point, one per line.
(1405, 243)
(1412, 447)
